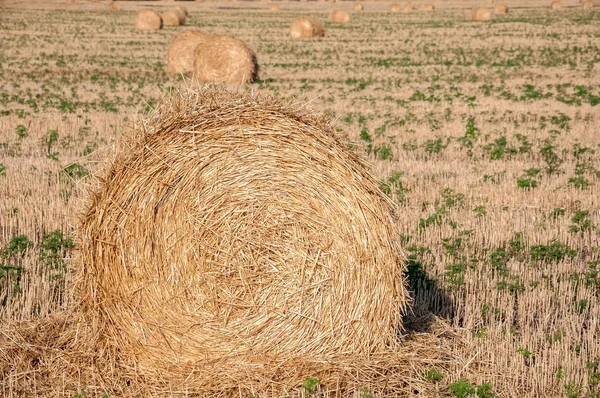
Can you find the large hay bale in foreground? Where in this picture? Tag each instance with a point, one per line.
(555, 5)
(148, 20)
(500, 9)
(395, 7)
(480, 14)
(180, 54)
(588, 5)
(234, 234)
(339, 16)
(224, 59)
(306, 27)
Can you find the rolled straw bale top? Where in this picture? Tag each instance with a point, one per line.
(500, 9)
(358, 7)
(174, 17)
(224, 59)
(306, 27)
(480, 14)
(555, 5)
(395, 7)
(426, 7)
(148, 20)
(588, 5)
(339, 16)
(180, 54)
(233, 228)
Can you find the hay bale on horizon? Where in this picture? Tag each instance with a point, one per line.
(408, 7)
(174, 17)
(500, 9)
(274, 7)
(339, 16)
(395, 7)
(306, 27)
(358, 7)
(555, 5)
(425, 7)
(480, 14)
(180, 53)
(588, 5)
(113, 5)
(224, 59)
(234, 232)
(148, 20)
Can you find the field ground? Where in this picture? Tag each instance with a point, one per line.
(485, 134)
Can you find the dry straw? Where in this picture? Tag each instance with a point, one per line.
(113, 5)
(224, 59)
(426, 7)
(339, 16)
(481, 14)
(395, 7)
(180, 54)
(306, 27)
(407, 7)
(555, 5)
(358, 7)
(174, 17)
(148, 20)
(588, 5)
(275, 7)
(500, 9)
(234, 234)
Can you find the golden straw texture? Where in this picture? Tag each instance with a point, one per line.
(481, 14)
(224, 59)
(339, 16)
(395, 7)
(148, 20)
(180, 54)
(358, 7)
(555, 5)
(306, 27)
(234, 230)
(500, 9)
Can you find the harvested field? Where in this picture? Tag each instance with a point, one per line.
(484, 135)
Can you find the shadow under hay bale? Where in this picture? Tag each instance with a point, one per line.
(180, 53)
(224, 59)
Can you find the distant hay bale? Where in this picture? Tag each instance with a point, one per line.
(408, 7)
(306, 27)
(339, 16)
(180, 54)
(588, 5)
(148, 20)
(275, 7)
(174, 17)
(358, 7)
(426, 7)
(224, 59)
(233, 234)
(184, 10)
(500, 9)
(555, 5)
(395, 7)
(480, 14)
(113, 5)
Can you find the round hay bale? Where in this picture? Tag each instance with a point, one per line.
(148, 20)
(180, 54)
(395, 7)
(555, 5)
(339, 16)
(358, 7)
(407, 7)
(588, 5)
(224, 59)
(275, 7)
(306, 27)
(184, 10)
(232, 232)
(113, 5)
(480, 14)
(174, 17)
(500, 9)
(426, 7)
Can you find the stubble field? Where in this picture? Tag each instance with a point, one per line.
(485, 135)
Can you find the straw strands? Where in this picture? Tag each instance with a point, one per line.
(339, 16)
(306, 27)
(481, 14)
(234, 232)
(148, 20)
(224, 59)
(180, 54)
